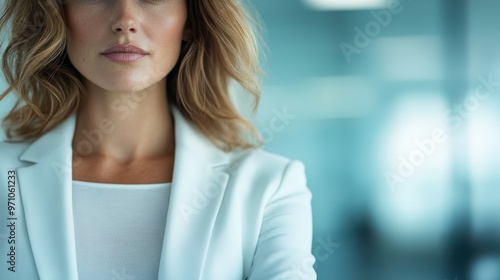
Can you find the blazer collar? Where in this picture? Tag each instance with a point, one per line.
(59, 137)
(198, 185)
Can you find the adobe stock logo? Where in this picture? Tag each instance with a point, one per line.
(425, 149)
(454, 118)
(277, 123)
(123, 106)
(363, 37)
(121, 275)
(322, 251)
(203, 195)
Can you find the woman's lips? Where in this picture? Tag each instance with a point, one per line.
(124, 56)
(125, 53)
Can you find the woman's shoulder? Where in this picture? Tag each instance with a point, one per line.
(259, 158)
(261, 164)
(267, 175)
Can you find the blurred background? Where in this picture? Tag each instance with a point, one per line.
(392, 106)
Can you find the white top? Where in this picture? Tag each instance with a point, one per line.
(119, 229)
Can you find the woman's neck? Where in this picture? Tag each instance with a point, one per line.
(125, 126)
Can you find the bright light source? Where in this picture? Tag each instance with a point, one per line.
(412, 212)
(346, 4)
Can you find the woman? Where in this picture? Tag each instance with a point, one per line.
(126, 158)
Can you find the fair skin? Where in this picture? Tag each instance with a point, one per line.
(127, 101)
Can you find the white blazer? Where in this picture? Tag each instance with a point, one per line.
(231, 216)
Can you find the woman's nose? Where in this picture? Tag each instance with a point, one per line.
(125, 17)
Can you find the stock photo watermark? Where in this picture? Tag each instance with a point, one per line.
(363, 37)
(455, 117)
(278, 123)
(322, 251)
(94, 137)
(121, 275)
(204, 195)
(11, 223)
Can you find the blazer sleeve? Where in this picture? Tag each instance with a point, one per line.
(284, 246)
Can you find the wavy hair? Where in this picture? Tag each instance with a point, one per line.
(224, 48)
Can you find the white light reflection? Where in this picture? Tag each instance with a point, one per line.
(346, 5)
(412, 212)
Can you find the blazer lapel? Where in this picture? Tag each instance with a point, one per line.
(198, 185)
(45, 189)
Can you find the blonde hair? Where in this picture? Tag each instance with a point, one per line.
(224, 48)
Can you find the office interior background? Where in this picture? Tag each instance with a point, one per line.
(393, 108)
